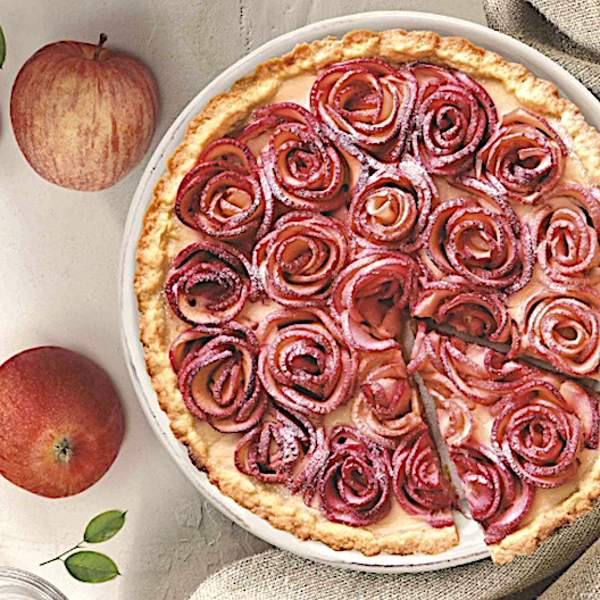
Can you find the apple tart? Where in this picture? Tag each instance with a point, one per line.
(328, 207)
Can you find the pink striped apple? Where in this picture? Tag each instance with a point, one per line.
(83, 115)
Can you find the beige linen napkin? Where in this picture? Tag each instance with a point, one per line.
(276, 575)
(568, 31)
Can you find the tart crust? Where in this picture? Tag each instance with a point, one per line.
(219, 117)
(529, 537)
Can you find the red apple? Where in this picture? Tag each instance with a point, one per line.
(83, 115)
(61, 421)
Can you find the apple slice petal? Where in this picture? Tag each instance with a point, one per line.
(498, 498)
(499, 527)
(585, 406)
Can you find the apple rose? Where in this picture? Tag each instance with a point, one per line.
(284, 448)
(565, 232)
(368, 103)
(298, 261)
(208, 283)
(354, 487)
(525, 156)
(538, 435)
(222, 195)
(418, 482)
(301, 168)
(477, 373)
(392, 208)
(484, 246)
(565, 330)
(217, 375)
(477, 313)
(190, 340)
(497, 498)
(387, 406)
(304, 363)
(454, 117)
(369, 297)
(454, 416)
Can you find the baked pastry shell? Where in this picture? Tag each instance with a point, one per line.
(220, 116)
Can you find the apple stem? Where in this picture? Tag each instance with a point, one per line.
(59, 557)
(103, 38)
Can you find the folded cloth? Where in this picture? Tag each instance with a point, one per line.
(580, 581)
(567, 32)
(276, 575)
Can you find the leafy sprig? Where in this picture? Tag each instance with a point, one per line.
(87, 565)
(2, 47)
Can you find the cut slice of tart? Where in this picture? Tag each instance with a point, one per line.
(523, 440)
(387, 408)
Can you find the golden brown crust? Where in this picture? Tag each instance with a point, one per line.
(307, 523)
(220, 115)
(529, 537)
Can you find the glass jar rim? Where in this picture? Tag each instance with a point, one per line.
(30, 582)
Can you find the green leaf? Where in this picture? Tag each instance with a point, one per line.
(2, 47)
(103, 526)
(91, 567)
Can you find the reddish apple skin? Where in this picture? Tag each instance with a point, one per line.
(49, 395)
(83, 115)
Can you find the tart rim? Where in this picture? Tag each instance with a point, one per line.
(219, 116)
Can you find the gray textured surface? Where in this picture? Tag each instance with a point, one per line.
(58, 272)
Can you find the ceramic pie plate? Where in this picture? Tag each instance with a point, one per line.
(471, 547)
